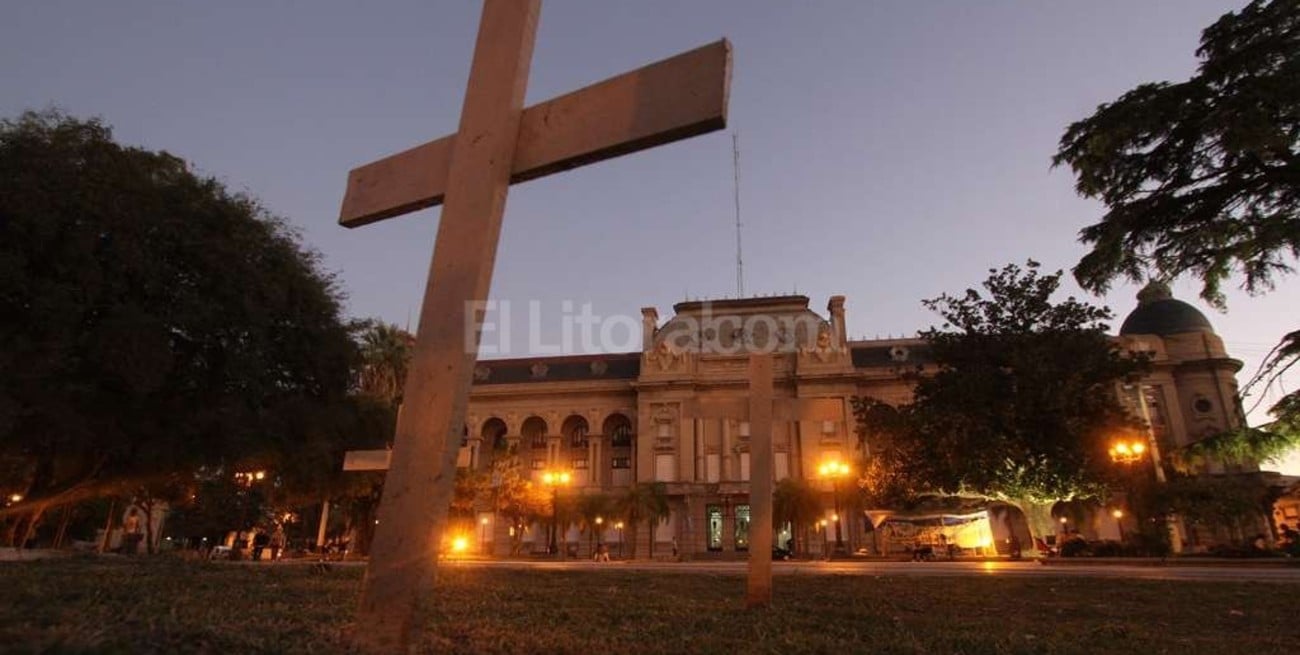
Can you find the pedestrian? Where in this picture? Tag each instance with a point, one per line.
(260, 541)
(277, 542)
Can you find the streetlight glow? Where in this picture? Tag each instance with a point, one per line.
(835, 469)
(1127, 452)
(555, 480)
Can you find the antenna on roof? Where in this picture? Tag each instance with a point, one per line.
(735, 169)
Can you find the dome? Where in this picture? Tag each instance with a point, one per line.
(1158, 312)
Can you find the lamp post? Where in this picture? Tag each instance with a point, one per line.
(835, 469)
(821, 527)
(482, 535)
(1128, 452)
(554, 480)
(619, 526)
(1119, 522)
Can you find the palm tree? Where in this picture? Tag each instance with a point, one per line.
(644, 501)
(797, 503)
(385, 353)
(590, 508)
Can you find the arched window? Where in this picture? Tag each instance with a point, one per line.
(534, 432)
(622, 437)
(575, 430)
(494, 435)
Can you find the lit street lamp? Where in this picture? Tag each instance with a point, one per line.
(619, 526)
(835, 469)
(1119, 522)
(482, 535)
(1127, 452)
(554, 480)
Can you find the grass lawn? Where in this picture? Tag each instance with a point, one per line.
(166, 606)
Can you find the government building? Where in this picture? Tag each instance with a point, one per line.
(611, 420)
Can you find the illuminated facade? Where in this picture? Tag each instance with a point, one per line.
(613, 420)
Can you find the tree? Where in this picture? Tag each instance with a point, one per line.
(385, 355)
(1018, 408)
(517, 499)
(590, 508)
(152, 321)
(797, 503)
(1202, 177)
(643, 501)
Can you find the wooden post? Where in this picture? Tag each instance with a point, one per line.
(429, 427)
(759, 589)
(324, 521)
(469, 172)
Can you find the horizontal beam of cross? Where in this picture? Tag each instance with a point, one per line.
(674, 99)
(783, 409)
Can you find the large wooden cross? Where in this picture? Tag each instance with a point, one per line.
(760, 409)
(498, 142)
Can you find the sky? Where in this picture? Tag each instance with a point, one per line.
(890, 151)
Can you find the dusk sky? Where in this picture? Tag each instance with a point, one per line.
(890, 151)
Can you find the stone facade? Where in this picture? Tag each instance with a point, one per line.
(616, 419)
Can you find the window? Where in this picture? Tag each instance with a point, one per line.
(621, 463)
(622, 436)
(714, 515)
(539, 441)
(742, 527)
(579, 463)
(539, 464)
(578, 437)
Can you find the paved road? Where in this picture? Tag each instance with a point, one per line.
(1289, 575)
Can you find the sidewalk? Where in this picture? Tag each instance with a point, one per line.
(30, 554)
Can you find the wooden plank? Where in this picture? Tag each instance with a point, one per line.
(417, 491)
(717, 408)
(759, 588)
(783, 409)
(366, 460)
(808, 409)
(674, 99)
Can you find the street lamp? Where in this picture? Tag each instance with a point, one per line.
(1127, 452)
(482, 535)
(619, 526)
(835, 469)
(555, 480)
(1119, 522)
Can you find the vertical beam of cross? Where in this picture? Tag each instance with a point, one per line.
(437, 385)
(759, 589)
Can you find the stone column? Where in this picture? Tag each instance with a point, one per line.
(836, 309)
(475, 452)
(649, 323)
(595, 455)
